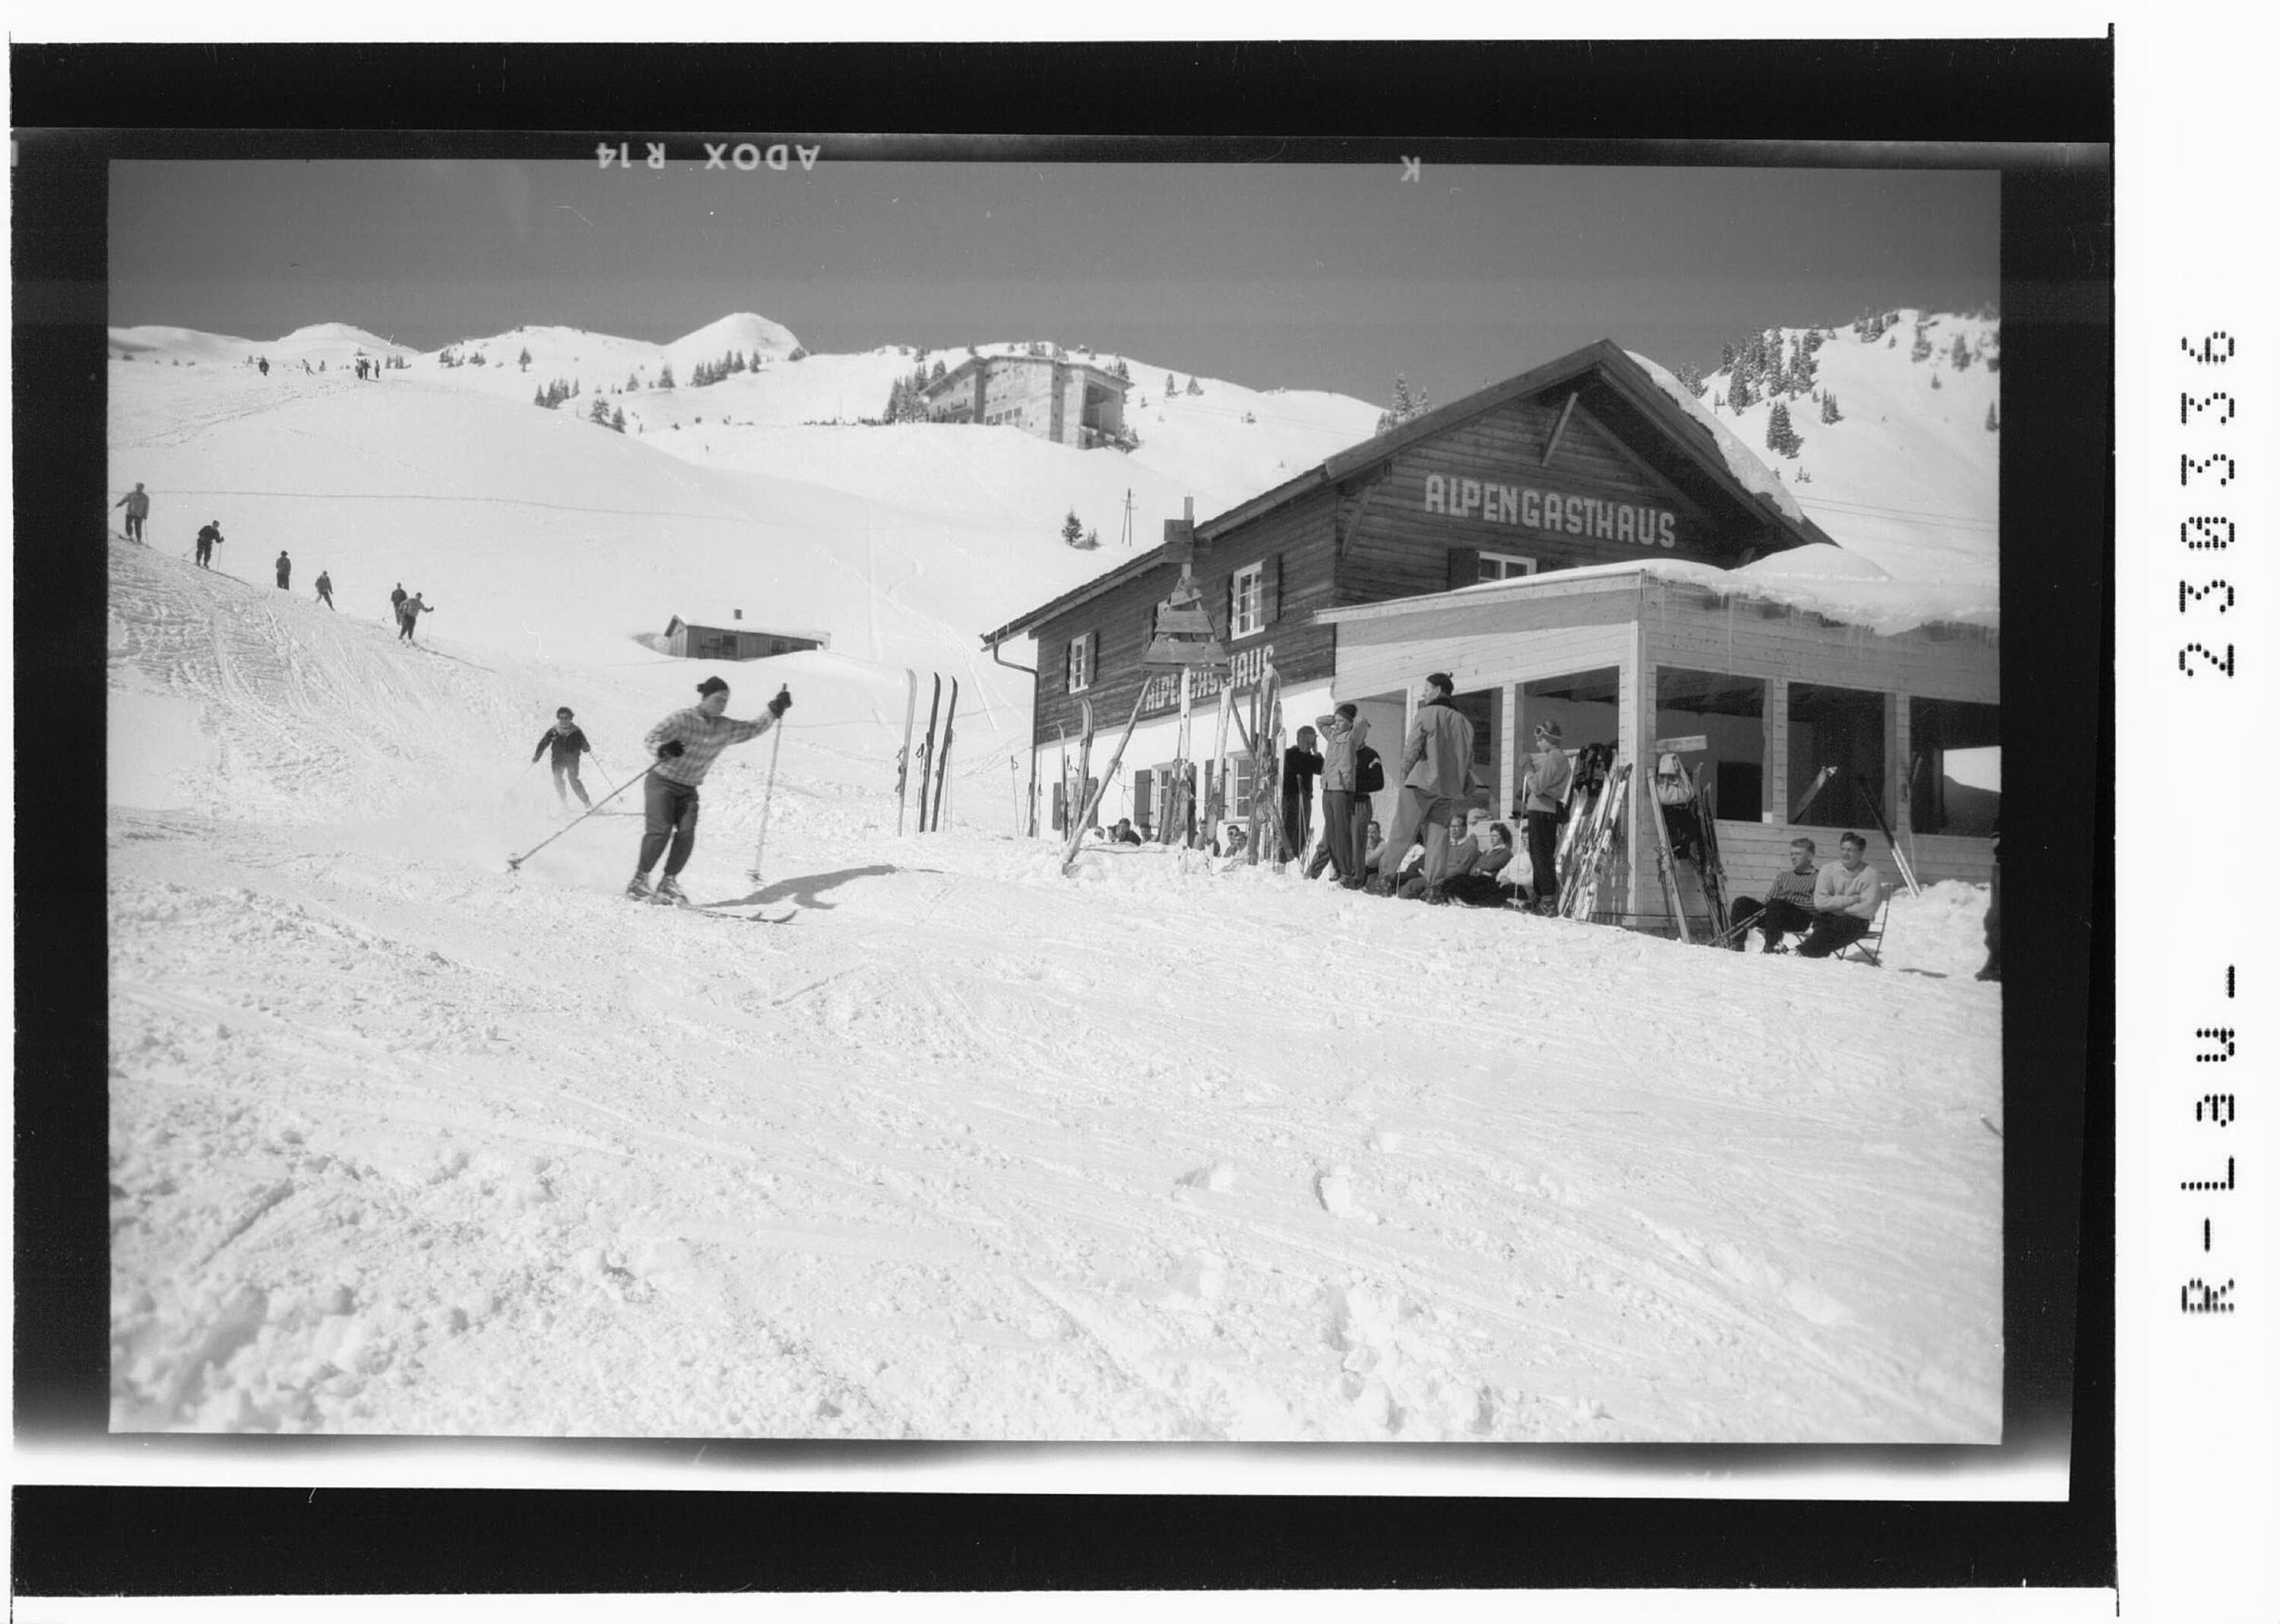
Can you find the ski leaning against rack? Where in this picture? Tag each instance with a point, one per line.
(1581, 892)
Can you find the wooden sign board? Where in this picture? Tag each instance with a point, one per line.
(1163, 650)
(1679, 747)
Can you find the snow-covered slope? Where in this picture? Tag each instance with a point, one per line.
(1908, 476)
(541, 533)
(402, 1142)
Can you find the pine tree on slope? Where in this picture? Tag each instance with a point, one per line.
(1780, 437)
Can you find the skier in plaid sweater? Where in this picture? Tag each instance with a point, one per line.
(685, 744)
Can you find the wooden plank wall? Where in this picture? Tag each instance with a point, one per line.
(1397, 549)
(1298, 535)
(1755, 852)
(1481, 647)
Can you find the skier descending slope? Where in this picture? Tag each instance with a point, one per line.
(684, 745)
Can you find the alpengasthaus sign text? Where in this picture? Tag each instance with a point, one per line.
(1552, 512)
(1242, 673)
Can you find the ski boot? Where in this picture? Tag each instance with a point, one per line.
(669, 892)
(637, 887)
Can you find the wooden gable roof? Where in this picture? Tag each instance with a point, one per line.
(1620, 396)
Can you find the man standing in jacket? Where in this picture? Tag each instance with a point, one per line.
(284, 571)
(1845, 900)
(565, 739)
(685, 744)
(1344, 730)
(1546, 784)
(1437, 760)
(407, 617)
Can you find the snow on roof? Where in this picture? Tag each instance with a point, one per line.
(1742, 462)
(725, 619)
(1817, 579)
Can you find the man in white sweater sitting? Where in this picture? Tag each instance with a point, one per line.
(1845, 900)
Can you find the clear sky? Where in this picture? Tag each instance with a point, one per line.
(1301, 276)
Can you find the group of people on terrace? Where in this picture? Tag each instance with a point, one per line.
(1445, 849)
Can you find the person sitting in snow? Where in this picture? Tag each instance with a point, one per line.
(685, 745)
(565, 739)
(1125, 835)
(407, 617)
(1467, 839)
(1484, 884)
(1845, 897)
(1373, 850)
(1787, 904)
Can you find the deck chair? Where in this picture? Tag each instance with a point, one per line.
(1870, 949)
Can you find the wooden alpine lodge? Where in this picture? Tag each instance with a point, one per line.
(1572, 544)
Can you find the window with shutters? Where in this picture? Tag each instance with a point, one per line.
(1080, 663)
(1246, 601)
(1504, 566)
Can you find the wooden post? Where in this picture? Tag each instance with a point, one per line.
(1775, 723)
(1511, 740)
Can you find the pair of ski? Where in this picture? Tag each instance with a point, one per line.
(1709, 869)
(1592, 849)
(717, 910)
(934, 771)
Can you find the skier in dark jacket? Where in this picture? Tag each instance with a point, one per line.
(209, 535)
(565, 739)
(407, 617)
(284, 571)
(685, 744)
(325, 588)
(396, 601)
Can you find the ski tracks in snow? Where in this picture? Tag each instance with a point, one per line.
(401, 1143)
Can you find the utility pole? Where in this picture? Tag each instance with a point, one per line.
(1127, 516)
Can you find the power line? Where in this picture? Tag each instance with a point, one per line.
(1905, 512)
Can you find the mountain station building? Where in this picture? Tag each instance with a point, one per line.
(1070, 402)
(1575, 544)
(725, 635)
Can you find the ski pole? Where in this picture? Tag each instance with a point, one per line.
(518, 777)
(517, 862)
(768, 798)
